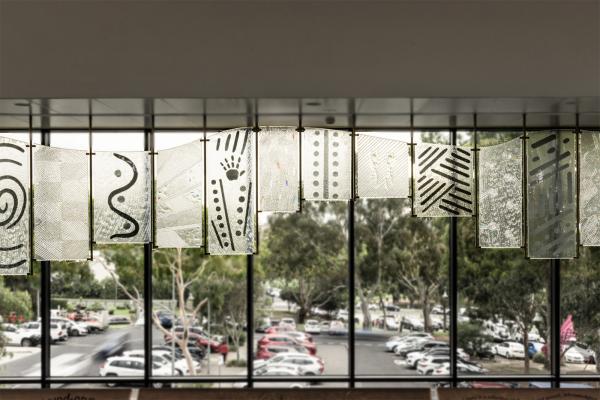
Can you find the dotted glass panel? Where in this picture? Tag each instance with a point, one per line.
(551, 195)
(383, 167)
(61, 205)
(589, 188)
(279, 175)
(122, 192)
(444, 183)
(14, 207)
(231, 192)
(501, 195)
(326, 164)
(179, 196)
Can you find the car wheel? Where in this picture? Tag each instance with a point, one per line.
(75, 332)
(508, 355)
(26, 343)
(157, 385)
(179, 372)
(310, 374)
(111, 384)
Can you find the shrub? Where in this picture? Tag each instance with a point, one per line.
(236, 363)
(539, 358)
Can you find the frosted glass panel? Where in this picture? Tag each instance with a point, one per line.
(230, 192)
(61, 204)
(14, 208)
(501, 195)
(551, 202)
(326, 164)
(383, 167)
(443, 180)
(278, 171)
(179, 196)
(121, 197)
(589, 188)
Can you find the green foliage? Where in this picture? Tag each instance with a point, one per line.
(539, 358)
(59, 303)
(236, 363)
(470, 338)
(96, 306)
(17, 301)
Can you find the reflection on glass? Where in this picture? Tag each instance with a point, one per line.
(326, 164)
(14, 207)
(501, 195)
(551, 196)
(279, 176)
(121, 197)
(443, 180)
(179, 196)
(383, 167)
(231, 192)
(61, 206)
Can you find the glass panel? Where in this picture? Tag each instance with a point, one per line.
(551, 202)
(443, 180)
(589, 188)
(230, 176)
(278, 161)
(14, 208)
(326, 164)
(179, 196)
(383, 167)
(401, 283)
(501, 195)
(61, 206)
(301, 291)
(121, 197)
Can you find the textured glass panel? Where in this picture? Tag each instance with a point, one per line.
(383, 167)
(230, 192)
(589, 188)
(121, 197)
(551, 197)
(326, 164)
(443, 180)
(278, 172)
(14, 207)
(61, 204)
(179, 196)
(501, 195)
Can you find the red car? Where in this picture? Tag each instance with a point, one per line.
(268, 351)
(200, 340)
(278, 329)
(285, 340)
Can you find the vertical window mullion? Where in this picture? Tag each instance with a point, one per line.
(45, 272)
(453, 289)
(148, 146)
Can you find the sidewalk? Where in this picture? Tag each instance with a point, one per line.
(14, 353)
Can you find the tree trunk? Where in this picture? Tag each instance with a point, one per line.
(425, 308)
(364, 304)
(526, 345)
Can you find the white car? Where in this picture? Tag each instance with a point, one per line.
(391, 324)
(17, 337)
(73, 328)
(510, 350)
(35, 328)
(180, 366)
(462, 368)
(413, 358)
(336, 328)
(289, 322)
(394, 341)
(572, 356)
(412, 323)
(312, 326)
(130, 367)
(278, 370)
(310, 365)
(300, 336)
(428, 364)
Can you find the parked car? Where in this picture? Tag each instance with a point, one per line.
(130, 367)
(465, 368)
(412, 323)
(337, 328)
(573, 356)
(73, 328)
(391, 323)
(413, 358)
(119, 320)
(280, 339)
(57, 334)
(200, 339)
(411, 343)
(589, 356)
(279, 329)
(179, 367)
(430, 363)
(510, 350)
(266, 352)
(288, 322)
(94, 324)
(278, 370)
(394, 341)
(419, 345)
(301, 336)
(311, 365)
(312, 326)
(17, 337)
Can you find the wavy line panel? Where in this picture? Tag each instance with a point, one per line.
(326, 164)
(61, 204)
(443, 181)
(231, 193)
(383, 167)
(14, 208)
(501, 195)
(180, 196)
(122, 192)
(551, 195)
(589, 188)
(278, 169)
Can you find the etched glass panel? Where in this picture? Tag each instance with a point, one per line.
(326, 164)
(121, 197)
(589, 188)
(383, 167)
(443, 180)
(501, 195)
(61, 204)
(230, 192)
(179, 196)
(551, 196)
(278, 171)
(14, 208)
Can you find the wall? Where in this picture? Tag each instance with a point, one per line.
(326, 48)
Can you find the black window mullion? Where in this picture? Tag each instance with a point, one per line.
(45, 272)
(453, 279)
(148, 146)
